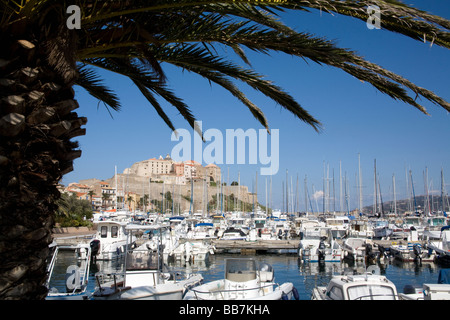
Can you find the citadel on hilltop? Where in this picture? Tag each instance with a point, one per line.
(163, 184)
(172, 172)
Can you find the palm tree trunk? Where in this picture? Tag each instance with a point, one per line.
(37, 123)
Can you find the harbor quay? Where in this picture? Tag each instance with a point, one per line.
(73, 235)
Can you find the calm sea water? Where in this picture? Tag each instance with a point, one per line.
(287, 269)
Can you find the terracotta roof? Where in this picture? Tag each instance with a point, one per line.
(192, 162)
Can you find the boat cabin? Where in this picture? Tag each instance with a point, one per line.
(360, 287)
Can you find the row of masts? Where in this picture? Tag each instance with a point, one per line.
(291, 199)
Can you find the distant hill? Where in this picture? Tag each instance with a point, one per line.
(408, 205)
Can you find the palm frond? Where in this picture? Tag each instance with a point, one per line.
(92, 83)
(135, 37)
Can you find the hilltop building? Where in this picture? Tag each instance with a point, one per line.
(173, 172)
(149, 183)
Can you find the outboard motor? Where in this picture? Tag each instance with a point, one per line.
(370, 255)
(383, 252)
(417, 250)
(95, 247)
(280, 234)
(321, 250)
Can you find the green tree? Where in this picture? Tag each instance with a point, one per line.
(73, 212)
(41, 59)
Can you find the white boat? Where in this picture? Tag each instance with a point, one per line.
(381, 229)
(360, 228)
(202, 231)
(144, 277)
(318, 245)
(354, 249)
(110, 240)
(75, 260)
(367, 286)
(428, 291)
(244, 281)
(442, 246)
(232, 233)
(411, 252)
(414, 223)
(339, 226)
(434, 224)
(192, 251)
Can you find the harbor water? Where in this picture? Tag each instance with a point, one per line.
(304, 276)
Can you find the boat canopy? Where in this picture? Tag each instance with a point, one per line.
(204, 224)
(177, 218)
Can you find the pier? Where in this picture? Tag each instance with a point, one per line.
(259, 246)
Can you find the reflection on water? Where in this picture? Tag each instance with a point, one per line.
(304, 276)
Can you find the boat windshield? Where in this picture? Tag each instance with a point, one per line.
(370, 292)
(315, 233)
(240, 270)
(142, 260)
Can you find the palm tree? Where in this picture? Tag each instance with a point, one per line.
(41, 59)
(91, 193)
(105, 200)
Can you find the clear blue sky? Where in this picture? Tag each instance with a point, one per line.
(357, 119)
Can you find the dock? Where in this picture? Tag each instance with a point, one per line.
(252, 247)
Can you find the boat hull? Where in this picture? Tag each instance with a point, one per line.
(215, 290)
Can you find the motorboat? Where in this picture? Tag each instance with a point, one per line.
(318, 245)
(244, 279)
(434, 224)
(368, 286)
(202, 231)
(339, 226)
(442, 246)
(145, 277)
(429, 291)
(110, 240)
(360, 228)
(354, 249)
(410, 252)
(232, 233)
(75, 260)
(414, 223)
(191, 251)
(381, 229)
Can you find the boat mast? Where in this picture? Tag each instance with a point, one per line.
(341, 203)
(360, 183)
(375, 205)
(115, 178)
(395, 199)
(414, 194)
(306, 195)
(287, 193)
(442, 190)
